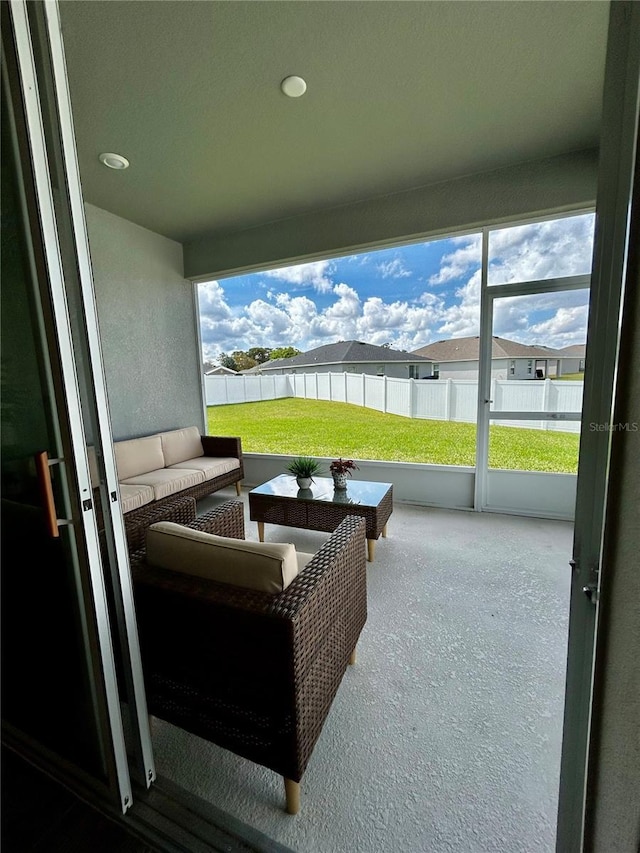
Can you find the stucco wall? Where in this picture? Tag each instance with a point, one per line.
(147, 326)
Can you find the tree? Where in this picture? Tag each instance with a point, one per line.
(243, 360)
(284, 352)
(259, 354)
(228, 361)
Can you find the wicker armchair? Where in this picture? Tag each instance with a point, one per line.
(252, 672)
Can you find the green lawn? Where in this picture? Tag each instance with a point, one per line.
(570, 377)
(294, 426)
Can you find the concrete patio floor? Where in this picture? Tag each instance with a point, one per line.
(446, 734)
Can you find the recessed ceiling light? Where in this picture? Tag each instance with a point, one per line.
(293, 87)
(114, 161)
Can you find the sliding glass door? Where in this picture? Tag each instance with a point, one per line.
(67, 612)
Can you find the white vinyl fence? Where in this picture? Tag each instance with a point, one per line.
(435, 399)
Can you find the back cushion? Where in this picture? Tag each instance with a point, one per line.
(264, 566)
(181, 444)
(138, 456)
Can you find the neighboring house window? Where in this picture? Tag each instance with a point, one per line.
(413, 371)
(512, 368)
(581, 366)
(529, 366)
(436, 371)
(381, 370)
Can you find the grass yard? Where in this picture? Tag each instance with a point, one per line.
(294, 426)
(570, 377)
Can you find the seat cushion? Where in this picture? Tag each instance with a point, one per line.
(180, 444)
(211, 466)
(167, 481)
(138, 456)
(133, 497)
(264, 566)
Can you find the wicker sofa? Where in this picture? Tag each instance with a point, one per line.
(156, 472)
(252, 671)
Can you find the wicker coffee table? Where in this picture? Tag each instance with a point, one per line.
(280, 501)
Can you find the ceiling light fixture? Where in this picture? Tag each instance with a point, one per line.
(114, 161)
(293, 87)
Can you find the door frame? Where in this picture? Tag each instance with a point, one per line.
(618, 152)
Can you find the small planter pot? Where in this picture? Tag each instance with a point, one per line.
(304, 482)
(339, 481)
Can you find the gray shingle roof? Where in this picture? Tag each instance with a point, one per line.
(574, 351)
(344, 352)
(467, 349)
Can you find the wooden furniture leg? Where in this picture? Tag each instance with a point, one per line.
(292, 791)
(384, 532)
(371, 549)
(238, 488)
(353, 658)
(261, 531)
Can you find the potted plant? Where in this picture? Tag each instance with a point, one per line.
(340, 470)
(303, 468)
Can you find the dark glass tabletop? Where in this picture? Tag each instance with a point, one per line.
(358, 492)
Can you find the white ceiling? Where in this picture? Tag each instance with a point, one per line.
(400, 95)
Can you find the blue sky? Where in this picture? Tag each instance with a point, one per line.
(406, 296)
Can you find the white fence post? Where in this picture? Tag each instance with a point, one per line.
(546, 394)
(384, 393)
(447, 401)
(412, 397)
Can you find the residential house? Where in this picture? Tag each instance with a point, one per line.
(420, 120)
(220, 370)
(350, 357)
(572, 359)
(457, 358)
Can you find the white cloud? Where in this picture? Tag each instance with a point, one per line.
(306, 275)
(211, 300)
(541, 250)
(456, 264)
(393, 269)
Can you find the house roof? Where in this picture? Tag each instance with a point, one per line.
(574, 351)
(400, 96)
(467, 349)
(220, 370)
(343, 352)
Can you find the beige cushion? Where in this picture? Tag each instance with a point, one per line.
(211, 466)
(133, 497)
(138, 456)
(181, 444)
(264, 566)
(167, 481)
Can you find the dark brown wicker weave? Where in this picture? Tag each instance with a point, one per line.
(311, 514)
(181, 510)
(252, 672)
